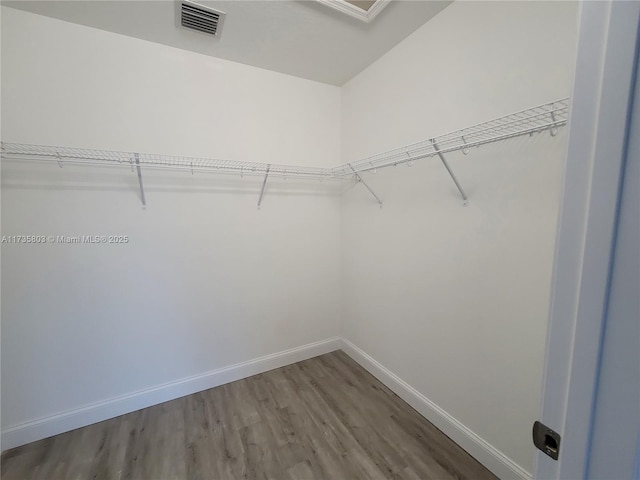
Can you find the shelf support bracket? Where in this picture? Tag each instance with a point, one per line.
(365, 184)
(264, 184)
(144, 201)
(453, 177)
(553, 131)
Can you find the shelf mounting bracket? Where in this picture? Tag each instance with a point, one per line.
(264, 184)
(359, 178)
(453, 177)
(553, 131)
(144, 201)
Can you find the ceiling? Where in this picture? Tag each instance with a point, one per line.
(298, 37)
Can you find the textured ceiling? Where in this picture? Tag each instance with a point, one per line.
(297, 37)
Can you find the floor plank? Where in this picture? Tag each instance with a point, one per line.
(324, 418)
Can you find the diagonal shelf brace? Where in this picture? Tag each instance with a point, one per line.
(365, 184)
(144, 201)
(264, 184)
(453, 177)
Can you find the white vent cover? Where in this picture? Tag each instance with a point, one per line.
(200, 18)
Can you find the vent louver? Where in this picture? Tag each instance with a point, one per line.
(200, 18)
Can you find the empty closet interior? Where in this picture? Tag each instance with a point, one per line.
(174, 220)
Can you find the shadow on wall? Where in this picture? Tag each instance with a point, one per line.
(84, 178)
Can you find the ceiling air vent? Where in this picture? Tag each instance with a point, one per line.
(200, 18)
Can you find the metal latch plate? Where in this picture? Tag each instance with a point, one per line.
(546, 439)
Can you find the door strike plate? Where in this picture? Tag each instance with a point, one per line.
(546, 439)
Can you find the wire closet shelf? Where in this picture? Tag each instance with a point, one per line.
(85, 156)
(549, 116)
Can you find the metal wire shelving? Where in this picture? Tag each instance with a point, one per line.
(549, 116)
(85, 156)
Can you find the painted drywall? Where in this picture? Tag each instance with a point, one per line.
(451, 299)
(206, 280)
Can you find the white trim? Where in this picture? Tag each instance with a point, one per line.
(356, 12)
(485, 453)
(481, 450)
(598, 123)
(63, 422)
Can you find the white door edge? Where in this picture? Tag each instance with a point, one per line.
(601, 102)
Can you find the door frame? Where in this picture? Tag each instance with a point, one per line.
(598, 131)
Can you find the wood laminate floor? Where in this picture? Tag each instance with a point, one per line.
(324, 418)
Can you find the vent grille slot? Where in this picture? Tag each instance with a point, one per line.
(202, 19)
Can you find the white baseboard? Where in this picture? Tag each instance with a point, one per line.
(63, 422)
(501, 465)
(45, 427)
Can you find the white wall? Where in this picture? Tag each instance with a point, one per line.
(206, 280)
(451, 299)
(454, 300)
